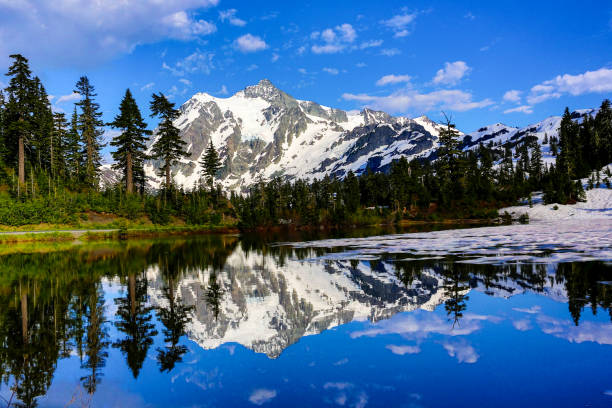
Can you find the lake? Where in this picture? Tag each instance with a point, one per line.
(496, 316)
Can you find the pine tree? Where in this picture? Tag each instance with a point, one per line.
(90, 126)
(448, 161)
(211, 164)
(19, 108)
(603, 130)
(536, 164)
(42, 126)
(2, 128)
(73, 149)
(57, 145)
(130, 143)
(169, 147)
(567, 134)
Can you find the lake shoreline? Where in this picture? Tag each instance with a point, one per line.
(100, 234)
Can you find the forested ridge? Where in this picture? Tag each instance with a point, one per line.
(50, 170)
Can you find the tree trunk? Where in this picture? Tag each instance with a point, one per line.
(21, 161)
(167, 174)
(128, 174)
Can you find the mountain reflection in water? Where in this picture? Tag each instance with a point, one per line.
(78, 308)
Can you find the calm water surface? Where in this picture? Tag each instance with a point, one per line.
(241, 321)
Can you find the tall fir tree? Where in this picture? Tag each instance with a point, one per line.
(57, 145)
(73, 148)
(448, 168)
(211, 164)
(168, 147)
(567, 133)
(19, 112)
(42, 126)
(536, 165)
(130, 143)
(90, 127)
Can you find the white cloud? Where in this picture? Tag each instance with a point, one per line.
(331, 71)
(588, 331)
(223, 90)
(390, 52)
(527, 109)
(68, 98)
(462, 351)
(421, 325)
(250, 43)
(261, 396)
(598, 81)
(361, 65)
(148, 86)
(400, 24)
(342, 361)
(252, 67)
(230, 16)
(469, 16)
(393, 79)
(334, 39)
(197, 62)
(275, 57)
(452, 73)
(59, 31)
(370, 44)
(337, 385)
(185, 27)
(401, 350)
(512, 96)
(522, 324)
(532, 310)
(409, 99)
(185, 81)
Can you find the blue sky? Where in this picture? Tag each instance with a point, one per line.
(514, 62)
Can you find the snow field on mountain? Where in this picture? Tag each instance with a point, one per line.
(598, 206)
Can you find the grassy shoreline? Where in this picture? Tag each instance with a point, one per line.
(104, 233)
(101, 234)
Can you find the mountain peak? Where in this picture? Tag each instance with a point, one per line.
(263, 89)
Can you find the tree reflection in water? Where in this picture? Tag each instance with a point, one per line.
(52, 303)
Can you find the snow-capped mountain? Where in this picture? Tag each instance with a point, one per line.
(262, 132)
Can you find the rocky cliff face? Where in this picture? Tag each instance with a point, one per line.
(262, 132)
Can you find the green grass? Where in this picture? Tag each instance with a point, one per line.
(44, 236)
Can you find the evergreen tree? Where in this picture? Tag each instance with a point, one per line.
(3, 141)
(169, 147)
(603, 133)
(448, 168)
(535, 166)
(42, 126)
(19, 111)
(211, 164)
(90, 127)
(73, 149)
(567, 133)
(57, 145)
(130, 143)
